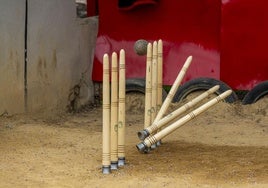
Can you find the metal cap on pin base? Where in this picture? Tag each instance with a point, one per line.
(158, 143)
(106, 169)
(121, 161)
(142, 147)
(114, 165)
(143, 134)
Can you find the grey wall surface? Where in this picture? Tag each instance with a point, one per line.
(60, 54)
(12, 18)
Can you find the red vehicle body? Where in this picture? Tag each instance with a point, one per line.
(227, 38)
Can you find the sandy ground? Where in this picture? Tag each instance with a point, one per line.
(227, 146)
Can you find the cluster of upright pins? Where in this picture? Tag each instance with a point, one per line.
(154, 81)
(113, 154)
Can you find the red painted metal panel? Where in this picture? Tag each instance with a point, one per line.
(244, 40)
(92, 7)
(227, 38)
(186, 28)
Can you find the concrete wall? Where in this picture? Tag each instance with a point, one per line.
(12, 18)
(60, 54)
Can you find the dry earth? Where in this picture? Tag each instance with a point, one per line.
(227, 146)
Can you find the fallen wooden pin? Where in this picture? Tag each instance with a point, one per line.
(173, 89)
(156, 125)
(149, 141)
(171, 94)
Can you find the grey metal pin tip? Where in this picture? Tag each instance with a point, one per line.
(159, 143)
(106, 169)
(141, 147)
(143, 134)
(154, 146)
(121, 161)
(114, 165)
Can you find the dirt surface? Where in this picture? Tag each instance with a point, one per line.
(226, 146)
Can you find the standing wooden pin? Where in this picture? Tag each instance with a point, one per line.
(106, 160)
(159, 78)
(148, 87)
(114, 112)
(121, 109)
(154, 82)
(159, 74)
